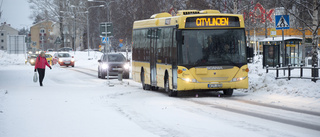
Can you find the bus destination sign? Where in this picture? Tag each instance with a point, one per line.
(212, 21)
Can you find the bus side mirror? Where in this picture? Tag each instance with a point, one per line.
(250, 54)
(179, 35)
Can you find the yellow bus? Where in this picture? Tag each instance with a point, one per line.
(195, 50)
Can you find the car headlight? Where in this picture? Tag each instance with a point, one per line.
(72, 60)
(238, 79)
(60, 60)
(32, 60)
(104, 66)
(126, 66)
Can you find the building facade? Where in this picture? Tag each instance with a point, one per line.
(5, 31)
(41, 38)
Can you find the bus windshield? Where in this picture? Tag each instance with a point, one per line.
(223, 47)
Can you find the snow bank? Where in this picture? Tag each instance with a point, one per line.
(11, 59)
(260, 81)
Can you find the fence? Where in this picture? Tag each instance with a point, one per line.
(314, 72)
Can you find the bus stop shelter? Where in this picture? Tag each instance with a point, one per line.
(272, 54)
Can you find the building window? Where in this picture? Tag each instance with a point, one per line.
(42, 31)
(2, 34)
(2, 47)
(2, 40)
(42, 38)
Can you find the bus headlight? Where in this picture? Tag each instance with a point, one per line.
(190, 80)
(126, 66)
(31, 60)
(238, 79)
(104, 66)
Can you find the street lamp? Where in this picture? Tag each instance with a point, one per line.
(107, 5)
(88, 25)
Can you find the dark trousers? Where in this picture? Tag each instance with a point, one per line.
(41, 75)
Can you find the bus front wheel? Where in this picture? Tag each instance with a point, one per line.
(170, 92)
(228, 92)
(144, 86)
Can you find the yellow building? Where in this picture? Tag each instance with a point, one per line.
(40, 35)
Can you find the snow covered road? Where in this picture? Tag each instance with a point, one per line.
(75, 103)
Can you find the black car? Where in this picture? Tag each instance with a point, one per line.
(116, 64)
(67, 49)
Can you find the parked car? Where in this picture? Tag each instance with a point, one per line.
(66, 49)
(117, 63)
(50, 50)
(49, 58)
(32, 58)
(64, 59)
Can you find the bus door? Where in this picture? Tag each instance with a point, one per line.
(174, 57)
(153, 57)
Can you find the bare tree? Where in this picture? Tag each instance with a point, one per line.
(1, 13)
(310, 21)
(62, 12)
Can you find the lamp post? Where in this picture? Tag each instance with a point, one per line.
(107, 5)
(88, 26)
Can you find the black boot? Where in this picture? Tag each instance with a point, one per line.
(41, 84)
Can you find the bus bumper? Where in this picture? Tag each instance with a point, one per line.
(186, 86)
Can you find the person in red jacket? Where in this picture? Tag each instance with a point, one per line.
(40, 65)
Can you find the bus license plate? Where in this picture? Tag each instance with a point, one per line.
(214, 85)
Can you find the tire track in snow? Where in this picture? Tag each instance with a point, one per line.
(259, 115)
(83, 72)
(277, 107)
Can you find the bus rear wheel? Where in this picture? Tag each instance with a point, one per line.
(170, 92)
(228, 92)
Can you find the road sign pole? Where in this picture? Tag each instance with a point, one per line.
(283, 49)
(282, 22)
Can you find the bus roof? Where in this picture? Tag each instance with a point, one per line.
(165, 19)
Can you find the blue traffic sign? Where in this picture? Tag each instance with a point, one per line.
(120, 45)
(282, 22)
(103, 40)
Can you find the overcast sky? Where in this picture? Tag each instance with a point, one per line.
(16, 13)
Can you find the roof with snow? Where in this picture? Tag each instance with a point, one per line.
(280, 39)
(43, 21)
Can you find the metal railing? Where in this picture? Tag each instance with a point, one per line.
(314, 72)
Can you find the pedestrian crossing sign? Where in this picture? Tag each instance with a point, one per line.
(282, 22)
(104, 40)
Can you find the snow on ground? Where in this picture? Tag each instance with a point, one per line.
(75, 103)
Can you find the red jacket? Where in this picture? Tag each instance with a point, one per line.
(41, 63)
